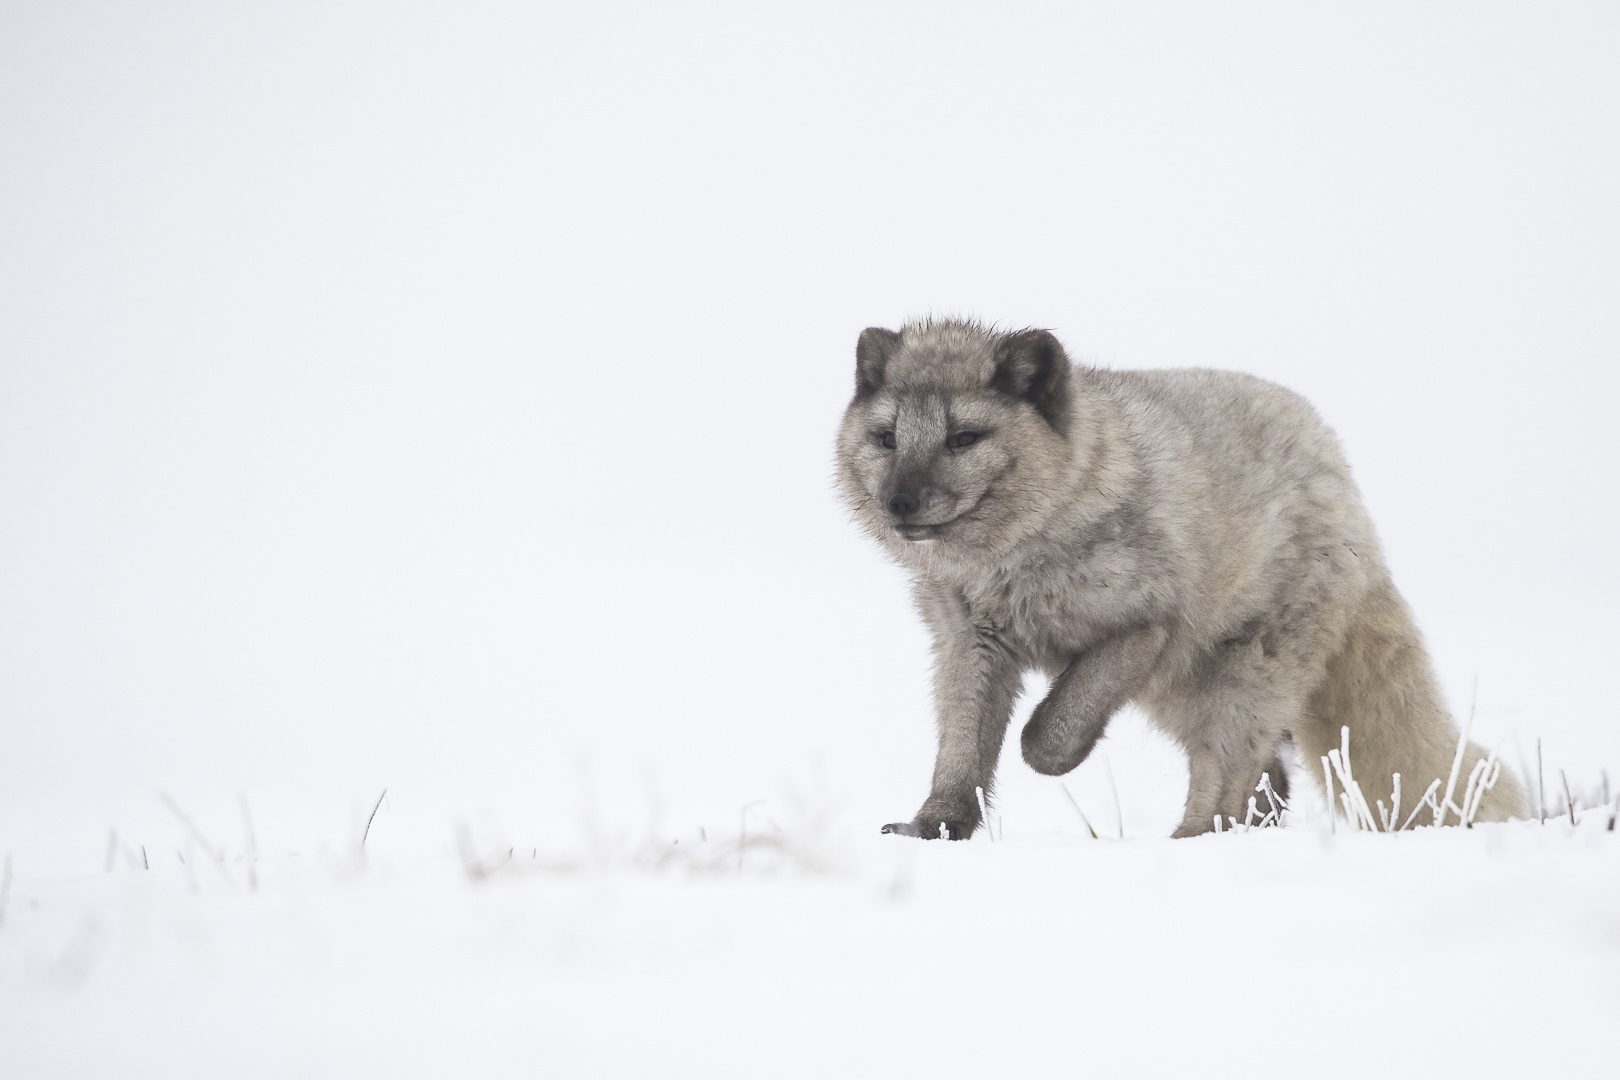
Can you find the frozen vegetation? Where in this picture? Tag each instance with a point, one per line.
(807, 946)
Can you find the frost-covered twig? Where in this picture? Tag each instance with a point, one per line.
(1474, 776)
(1353, 785)
(1569, 800)
(1395, 803)
(1426, 800)
(1357, 809)
(984, 813)
(1456, 762)
(1541, 788)
(1327, 784)
(1486, 773)
(1278, 803)
(1272, 817)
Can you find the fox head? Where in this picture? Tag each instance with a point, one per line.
(958, 440)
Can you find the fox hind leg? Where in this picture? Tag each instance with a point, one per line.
(1234, 730)
(1203, 795)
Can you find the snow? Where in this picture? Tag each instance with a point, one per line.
(1489, 951)
(440, 397)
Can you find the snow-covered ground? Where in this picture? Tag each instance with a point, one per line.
(833, 951)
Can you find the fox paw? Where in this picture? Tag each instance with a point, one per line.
(1051, 748)
(932, 830)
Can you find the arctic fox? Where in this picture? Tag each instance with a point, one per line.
(1190, 541)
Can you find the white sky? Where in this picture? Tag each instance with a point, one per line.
(444, 399)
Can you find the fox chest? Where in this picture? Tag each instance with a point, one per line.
(1053, 609)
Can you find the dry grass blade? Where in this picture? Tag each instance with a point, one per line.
(215, 856)
(1113, 790)
(470, 863)
(372, 817)
(250, 843)
(1081, 814)
(742, 831)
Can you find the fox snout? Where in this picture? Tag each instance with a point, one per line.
(913, 503)
(913, 496)
(918, 511)
(902, 504)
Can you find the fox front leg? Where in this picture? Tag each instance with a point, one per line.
(976, 680)
(1068, 723)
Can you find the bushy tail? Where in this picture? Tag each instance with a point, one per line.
(1381, 686)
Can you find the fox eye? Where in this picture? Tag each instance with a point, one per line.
(886, 440)
(963, 438)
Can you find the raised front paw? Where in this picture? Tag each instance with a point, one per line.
(1053, 746)
(932, 830)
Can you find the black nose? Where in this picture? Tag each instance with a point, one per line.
(903, 504)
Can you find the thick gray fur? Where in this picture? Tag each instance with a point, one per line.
(1189, 541)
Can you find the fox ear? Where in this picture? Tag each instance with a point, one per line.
(1032, 366)
(872, 353)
